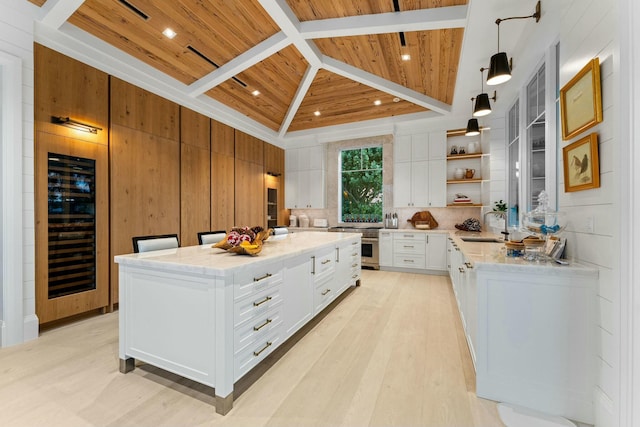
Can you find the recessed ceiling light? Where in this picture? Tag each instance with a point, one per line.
(316, 113)
(255, 92)
(168, 32)
(396, 99)
(405, 57)
(377, 102)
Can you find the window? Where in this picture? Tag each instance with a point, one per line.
(361, 185)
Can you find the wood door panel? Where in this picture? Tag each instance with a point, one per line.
(195, 129)
(249, 194)
(249, 148)
(68, 305)
(195, 191)
(145, 189)
(139, 109)
(222, 192)
(222, 139)
(273, 159)
(56, 94)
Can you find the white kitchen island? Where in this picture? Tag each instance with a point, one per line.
(211, 316)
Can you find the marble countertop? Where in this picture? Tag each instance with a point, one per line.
(213, 261)
(491, 256)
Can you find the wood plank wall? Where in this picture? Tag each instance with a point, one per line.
(167, 169)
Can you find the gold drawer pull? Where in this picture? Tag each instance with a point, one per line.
(257, 353)
(405, 246)
(457, 249)
(266, 276)
(461, 270)
(326, 261)
(256, 304)
(354, 243)
(355, 276)
(326, 291)
(266, 322)
(408, 260)
(355, 264)
(354, 254)
(468, 264)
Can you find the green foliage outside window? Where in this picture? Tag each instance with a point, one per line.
(361, 185)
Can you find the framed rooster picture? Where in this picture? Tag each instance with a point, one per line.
(581, 164)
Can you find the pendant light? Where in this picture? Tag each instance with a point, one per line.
(499, 67)
(473, 128)
(483, 106)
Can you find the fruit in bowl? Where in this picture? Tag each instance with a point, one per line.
(244, 240)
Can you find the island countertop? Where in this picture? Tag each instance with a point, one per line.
(206, 259)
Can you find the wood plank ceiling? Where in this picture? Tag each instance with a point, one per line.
(314, 63)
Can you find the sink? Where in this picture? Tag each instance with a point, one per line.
(481, 239)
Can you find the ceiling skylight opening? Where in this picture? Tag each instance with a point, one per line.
(255, 92)
(405, 57)
(169, 33)
(316, 113)
(377, 102)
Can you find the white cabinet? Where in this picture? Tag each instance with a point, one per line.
(436, 252)
(409, 250)
(325, 286)
(419, 170)
(385, 248)
(298, 288)
(414, 250)
(347, 265)
(305, 177)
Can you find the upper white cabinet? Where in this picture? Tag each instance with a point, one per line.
(419, 170)
(305, 177)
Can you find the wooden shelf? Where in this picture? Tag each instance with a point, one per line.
(464, 205)
(464, 156)
(464, 181)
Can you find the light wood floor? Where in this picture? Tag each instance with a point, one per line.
(390, 353)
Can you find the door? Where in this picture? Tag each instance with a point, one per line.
(72, 227)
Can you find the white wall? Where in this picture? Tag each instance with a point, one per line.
(18, 284)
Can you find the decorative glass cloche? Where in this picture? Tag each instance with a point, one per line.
(543, 220)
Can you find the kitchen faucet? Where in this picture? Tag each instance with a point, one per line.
(500, 214)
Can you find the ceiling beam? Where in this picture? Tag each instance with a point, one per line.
(301, 92)
(56, 12)
(288, 22)
(415, 20)
(240, 63)
(384, 85)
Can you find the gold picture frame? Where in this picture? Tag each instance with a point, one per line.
(581, 101)
(581, 164)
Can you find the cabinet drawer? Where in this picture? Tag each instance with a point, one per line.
(324, 262)
(325, 291)
(255, 280)
(256, 305)
(257, 328)
(253, 354)
(419, 237)
(409, 261)
(411, 247)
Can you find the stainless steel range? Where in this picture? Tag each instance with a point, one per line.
(369, 253)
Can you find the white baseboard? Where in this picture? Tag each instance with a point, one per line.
(31, 327)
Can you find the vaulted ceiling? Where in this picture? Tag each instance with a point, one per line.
(314, 63)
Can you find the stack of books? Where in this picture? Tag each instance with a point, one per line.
(461, 199)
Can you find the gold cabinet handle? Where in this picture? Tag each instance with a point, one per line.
(313, 271)
(468, 264)
(266, 322)
(461, 270)
(326, 261)
(354, 243)
(355, 264)
(257, 353)
(256, 304)
(354, 254)
(355, 276)
(405, 246)
(408, 260)
(326, 291)
(266, 276)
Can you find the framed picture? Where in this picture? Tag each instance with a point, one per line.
(581, 101)
(581, 164)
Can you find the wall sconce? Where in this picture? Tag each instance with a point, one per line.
(473, 128)
(73, 124)
(499, 67)
(483, 106)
